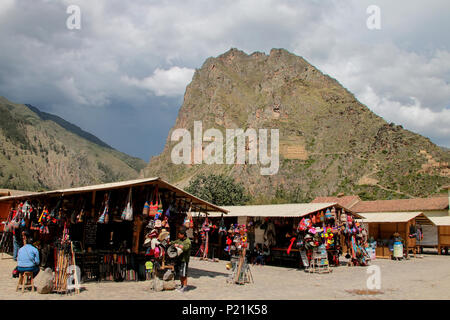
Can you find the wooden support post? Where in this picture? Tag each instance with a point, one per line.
(93, 204)
(439, 238)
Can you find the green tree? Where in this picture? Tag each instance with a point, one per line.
(218, 189)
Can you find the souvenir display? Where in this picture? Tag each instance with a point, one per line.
(325, 228)
(121, 234)
(237, 245)
(204, 235)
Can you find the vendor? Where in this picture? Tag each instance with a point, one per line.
(17, 239)
(28, 257)
(184, 243)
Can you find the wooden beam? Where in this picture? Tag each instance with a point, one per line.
(93, 204)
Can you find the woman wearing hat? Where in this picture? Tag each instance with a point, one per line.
(184, 243)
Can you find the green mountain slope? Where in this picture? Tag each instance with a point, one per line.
(329, 141)
(41, 151)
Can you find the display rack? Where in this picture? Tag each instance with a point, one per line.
(319, 262)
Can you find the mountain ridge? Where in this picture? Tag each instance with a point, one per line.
(68, 126)
(329, 141)
(38, 152)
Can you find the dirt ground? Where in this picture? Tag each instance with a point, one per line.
(421, 278)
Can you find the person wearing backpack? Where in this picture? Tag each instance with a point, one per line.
(28, 257)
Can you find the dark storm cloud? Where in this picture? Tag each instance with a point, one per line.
(131, 60)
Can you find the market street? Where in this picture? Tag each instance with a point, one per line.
(420, 278)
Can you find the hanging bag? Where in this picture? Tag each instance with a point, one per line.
(188, 219)
(146, 208)
(127, 213)
(104, 217)
(153, 210)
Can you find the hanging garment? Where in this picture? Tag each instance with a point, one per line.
(270, 235)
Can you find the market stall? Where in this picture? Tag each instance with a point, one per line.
(443, 234)
(116, 231)
(295, 233)
(396, 233)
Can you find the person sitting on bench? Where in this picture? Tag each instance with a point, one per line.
(28, 257)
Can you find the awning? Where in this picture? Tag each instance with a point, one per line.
(440, 221)
(202, 204)
(279, 210)
(380, 217)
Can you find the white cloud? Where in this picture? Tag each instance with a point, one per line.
(130, 53)
(170, 82)
(414, 116)
(6, 5)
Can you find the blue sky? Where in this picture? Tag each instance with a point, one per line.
(122, 76)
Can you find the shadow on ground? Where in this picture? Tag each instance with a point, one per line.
(197, 273)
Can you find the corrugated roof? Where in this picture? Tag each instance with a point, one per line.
(417, 204)
(118, 185)
(277, 210)
(379, 217)
(12, 192)
(345, 201)
(440, 221)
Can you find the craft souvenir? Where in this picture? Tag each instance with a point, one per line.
(146, 209)
(80, 216)
(333, 213)
(188, 219)
(151, 224)
(44, 216)
(154, 206)
(328, 214)
(301, 225)
(104, 217)
(154, 243)
(206, 226)
(152, 234)
(321, 216)
(26, 210)
(127, 213)
(343, 217)
(163, 235)
(147, 242)
(349, 219)
(157, 252)
(165, 222)
(172, 252)
(149, 266)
